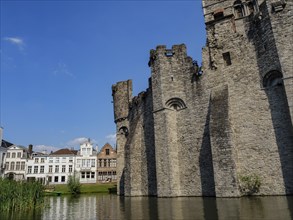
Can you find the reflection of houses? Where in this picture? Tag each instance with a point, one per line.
(15, 161)
(86, 163)
(60, 166)
(107, 163)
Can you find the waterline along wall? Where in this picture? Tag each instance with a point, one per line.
(225, 131)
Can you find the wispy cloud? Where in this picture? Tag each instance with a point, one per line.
(62, 69)
(19, 42)
(78, 141)
(111, 138)
(45, 148)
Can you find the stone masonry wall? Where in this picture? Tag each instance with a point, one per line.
(191, 135)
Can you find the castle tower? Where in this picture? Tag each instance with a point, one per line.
(171, 73)
(122, 94)
(246, 63)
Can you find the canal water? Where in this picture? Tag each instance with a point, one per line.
(102, 207)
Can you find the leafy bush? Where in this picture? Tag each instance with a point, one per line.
(249, 184)
(73, 184)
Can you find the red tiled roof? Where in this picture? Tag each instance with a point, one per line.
(64, 151)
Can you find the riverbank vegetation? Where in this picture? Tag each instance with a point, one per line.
(85, 188)
(20, 195)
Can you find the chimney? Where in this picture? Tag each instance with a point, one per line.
(30, 149)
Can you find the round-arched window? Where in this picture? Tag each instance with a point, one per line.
(273, 78)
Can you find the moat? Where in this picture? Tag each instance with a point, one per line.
(99, 206)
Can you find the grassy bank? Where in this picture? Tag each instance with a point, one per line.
(85, 188)
(20, 195)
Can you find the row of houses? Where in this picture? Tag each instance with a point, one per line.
(21, 163)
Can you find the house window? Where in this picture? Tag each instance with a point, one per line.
(62, 178)
(107, 151)
(88, 163)
(18, 154)
(29, 169)
(92, 175)
(100, 163)
(93, 163)
(36, 160)
(82, 175)
(22, 165)
(50, 169)
(8, 155)
(50, 159)
(227, 58)
(13, 155)
(42, 169)
(88, 175)
(12, 166)
(78, 163)
(70, 160)
(17, 165)
(70, 168)
(56, 179)
(42, 160)
(7, 165)
(49, 179)
(56, 169)
(63, 168)
(105, 163)
(57, 160)
(36, 169)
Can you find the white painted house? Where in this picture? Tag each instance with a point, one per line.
(86, 163)
(37, 168)
(3, 149)
(61, 165)
(15, 162)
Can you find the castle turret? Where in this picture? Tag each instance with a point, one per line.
(122, 94)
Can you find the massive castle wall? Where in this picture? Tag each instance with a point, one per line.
(191, 135)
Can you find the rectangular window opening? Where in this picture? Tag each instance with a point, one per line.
(227, 58)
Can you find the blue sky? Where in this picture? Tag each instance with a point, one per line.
(59, 60)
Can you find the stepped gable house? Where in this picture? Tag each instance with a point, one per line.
(208, 131)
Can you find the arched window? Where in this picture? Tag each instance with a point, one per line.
(124, 130)
(238, 9)
(272, 78)
(176, 104)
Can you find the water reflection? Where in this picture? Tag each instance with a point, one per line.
(113, 207)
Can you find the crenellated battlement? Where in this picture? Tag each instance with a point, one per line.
(161, 53)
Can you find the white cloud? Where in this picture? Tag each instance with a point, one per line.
(111, 138)
(77, 141)
(44, 148)
(16, 41)
(62, 69)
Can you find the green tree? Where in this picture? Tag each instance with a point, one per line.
(74, 184)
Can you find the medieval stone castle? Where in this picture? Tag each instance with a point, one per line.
(210, 131)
